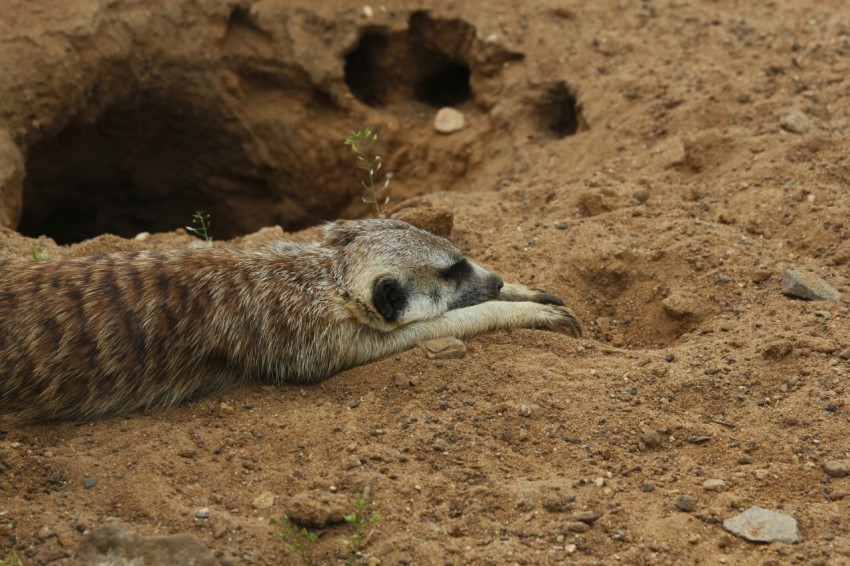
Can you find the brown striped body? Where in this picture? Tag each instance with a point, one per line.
(111, 333)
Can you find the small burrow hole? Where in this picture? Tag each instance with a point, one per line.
(448, 86)
(426, 63)
(558, 111)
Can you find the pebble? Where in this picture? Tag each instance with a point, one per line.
(836, 469)
(525, 411)
(188, 453)
(317, 509)
(202, 513)
(641, 195)
(761, 474)
(112, 544)
(844, 354)
(224, 410)
(697, 439)
(588, 517)
(527, 499)
(89, 482)
(448, 120)
(795, 122)
(714, 484)
(577, 527)
(561, 225)
(762, 525)
(448, 348)
(685, 503)
(263, 501)
(651, 438)
(808, 286)
(760, 275)
(350, 462)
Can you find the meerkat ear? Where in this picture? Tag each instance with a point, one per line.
(340, 233)
(389, 298)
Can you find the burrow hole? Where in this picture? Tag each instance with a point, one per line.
(424, 63)
(143, 166)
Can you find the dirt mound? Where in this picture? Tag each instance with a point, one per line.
(659, 166)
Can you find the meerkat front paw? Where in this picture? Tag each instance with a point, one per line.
(515, 292)
(559, 319)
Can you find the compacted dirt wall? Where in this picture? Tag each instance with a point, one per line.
(659, 165)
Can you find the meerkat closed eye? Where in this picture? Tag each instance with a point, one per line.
(111, 333)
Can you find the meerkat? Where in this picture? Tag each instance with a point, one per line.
(86, 337)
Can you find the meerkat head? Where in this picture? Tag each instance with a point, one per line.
(398, 274)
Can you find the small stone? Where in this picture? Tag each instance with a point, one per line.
(599, 482)
(263, 501)
(367, 11)
(525, 411)
(762, 525)
(202, 513)
(142, 236)
(188, 453)
(795, 122)
(836, 469)
(760, 275)
(714, 484)
(527, 500)
(685, 503)
(744, 459)
(808, 286)
(647, 487)
(224, 410)
(693, 539)
(561, 225)
(443, 348)
(697, 439)
(588, 517)
(844, 354)
(111, 544)
(350, 462)
(641, 194)
(761, 474)
(651, 438)
(317, 509)
(577, 527)
(448, 120)
(89, 482)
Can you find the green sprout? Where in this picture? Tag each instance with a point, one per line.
(359, 521)
(364, 145)
(297, 541)
(43, 256)
(201, 226)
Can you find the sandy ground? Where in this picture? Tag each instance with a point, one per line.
(665, 222)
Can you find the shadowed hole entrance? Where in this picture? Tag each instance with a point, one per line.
(144, 167)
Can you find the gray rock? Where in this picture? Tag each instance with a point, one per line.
(762, 525)
(89, 482)
(527, 499)
(714, 484)
(795, 122)
(111, 545)
(836, 469)
(808, 286)
(651, 438)
(685, 503)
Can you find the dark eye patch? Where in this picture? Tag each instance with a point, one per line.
(458, 271)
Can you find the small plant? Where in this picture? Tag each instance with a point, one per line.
(43, 256)
(359, 521)
(297, 541)
(201, 226)
(13, 560)
(364, 145)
